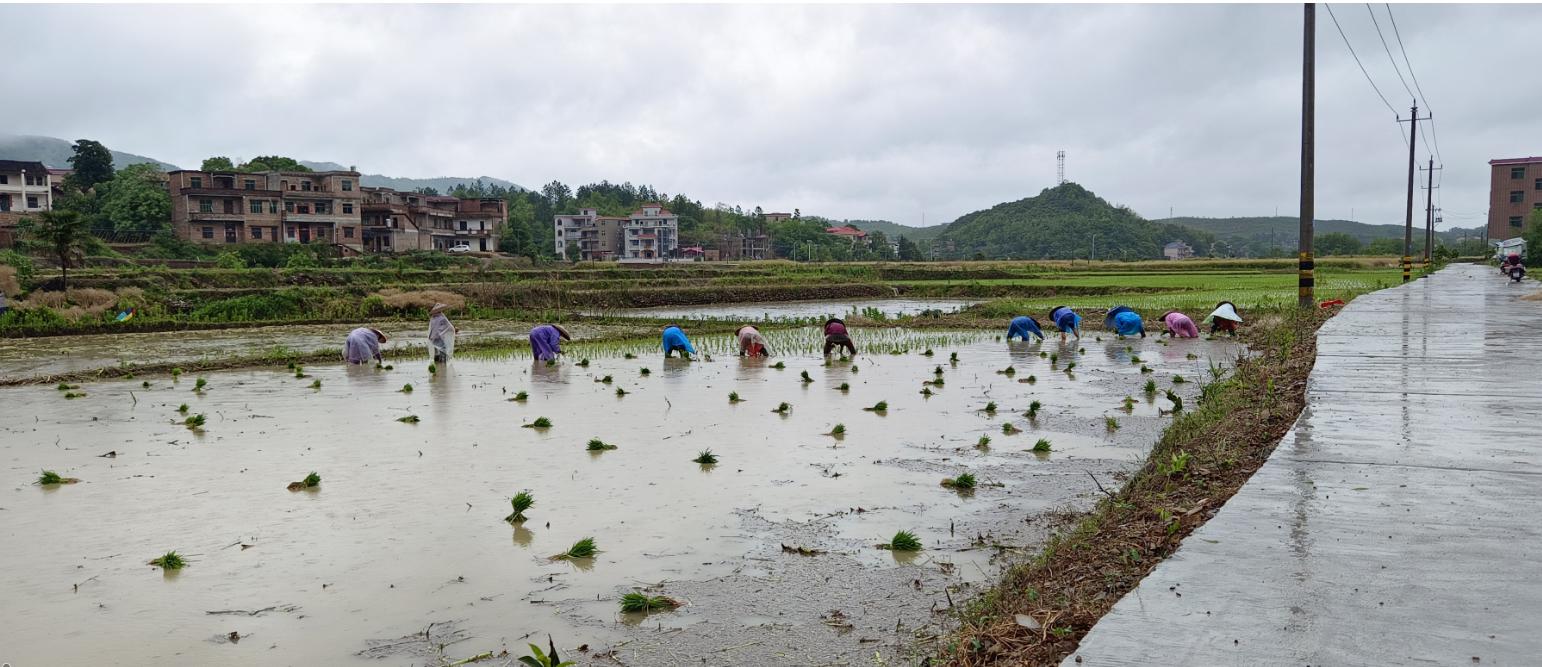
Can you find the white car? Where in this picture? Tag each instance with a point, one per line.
(459, 247)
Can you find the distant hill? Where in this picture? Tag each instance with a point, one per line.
(1284, 228)
(894, 230)
(441, 183)
(56, 153)
(1064, 222)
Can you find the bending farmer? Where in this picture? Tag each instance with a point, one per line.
(751, 343)
(1067, 321)
(363, 344)
(1123, 320)
(546, 341)
(1178, 325)
(837, 336)
(675, 340)
(1024, 326)
(441, 334)
(1224, 318)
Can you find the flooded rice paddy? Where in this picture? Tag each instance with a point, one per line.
(401, 554)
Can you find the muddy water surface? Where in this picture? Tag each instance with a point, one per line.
(795, 309)
(405, 538)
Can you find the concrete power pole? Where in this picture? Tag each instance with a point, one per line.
(1429, 214)
(1305, 284)
(1413, 142)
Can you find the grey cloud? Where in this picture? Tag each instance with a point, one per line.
(850, 111)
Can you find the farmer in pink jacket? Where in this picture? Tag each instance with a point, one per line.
(1178, 325)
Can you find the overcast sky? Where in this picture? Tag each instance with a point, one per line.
(843, 111)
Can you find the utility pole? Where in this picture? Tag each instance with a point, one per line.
(1413, 142)
(1305, 284)
(1429, 214)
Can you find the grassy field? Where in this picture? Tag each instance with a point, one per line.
(207, 298)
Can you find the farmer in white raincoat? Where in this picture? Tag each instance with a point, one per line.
(441, 334)
(363, 344)
(1224, 318)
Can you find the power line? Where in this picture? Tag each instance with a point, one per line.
(1388, 49)
(1368, 79)
(1415, 77)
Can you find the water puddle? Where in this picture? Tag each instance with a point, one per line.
(405, 531)
(795, 310)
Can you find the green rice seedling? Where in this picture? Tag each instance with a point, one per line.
(170, 561)
(74, 394)
(845, 387)
(1033, 409)
(1097, 338)
(433, 368)
(1070, 367)
(1111, 424)
(50, 478)
(1042, 445)
(806, 378)
(194, 422)
(733, 397)
(598, 445)
(782, 408)
(299, 373)
(1007, 428)
(937, 382)
(66, 387)
(1134, 358)
(583, 548)
(316, 384)
(545, 659)
(928, 352)
(645, 371)
(1178, 379)
(983, 443)
(176, 373)
(1176, 399)
(838, 431)
(1054, 358)
(1144, 369)
(312, 479)
(854, 368)
(926, 391)
(606, 380)
(779, 365)
(540, 422)
(1128, 404)
(1008, 371)
(1191, 356)
(1081, 350)
(521, 397)
(409, 419)
(583, 363)
(1150, 387)
(390, 367)
(621, 392)
(706, 458)
(953, 357)
(182, 408)
(1033, 379)
(937, 371)
(200, 384)
(629, 355)
(903, 540)
(990, 408)
(879, 407)
(1043, 354)
(406, 388)
(520, 502)
(964, 482)
(145, 384)
(290, 365)
(641, 603)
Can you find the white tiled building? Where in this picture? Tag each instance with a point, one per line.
(649, 234)
(25, 187)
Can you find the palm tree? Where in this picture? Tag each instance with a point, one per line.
(64, 233)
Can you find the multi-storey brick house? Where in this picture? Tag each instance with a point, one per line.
(217, 207)
(402, 221)
(649, 234)
(1515, 191)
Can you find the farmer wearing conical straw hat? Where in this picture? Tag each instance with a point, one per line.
(1224, 318)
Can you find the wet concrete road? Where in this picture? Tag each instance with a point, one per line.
(1397, 523)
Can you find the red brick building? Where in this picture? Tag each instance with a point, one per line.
(1515, 191)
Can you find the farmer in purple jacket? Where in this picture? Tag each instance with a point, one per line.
(363, 345)
(1178, 325)
(546, 341)
(837, 336)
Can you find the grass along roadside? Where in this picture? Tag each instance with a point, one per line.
(1202, 459)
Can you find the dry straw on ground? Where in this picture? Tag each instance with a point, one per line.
(425, 299)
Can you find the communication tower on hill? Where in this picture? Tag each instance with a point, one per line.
(1060, 169)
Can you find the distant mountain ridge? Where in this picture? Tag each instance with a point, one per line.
(894, 230)
(56, 153)
(1284, 231)
(441, 183)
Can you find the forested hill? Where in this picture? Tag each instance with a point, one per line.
(442, 184)
(1063, 222)
(1282, 230)
(894, 230)
(56, 153)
